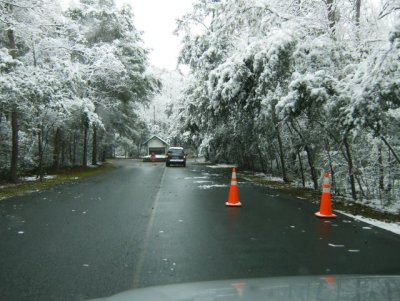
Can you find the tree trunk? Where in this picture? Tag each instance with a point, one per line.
(360, 186)
(86, 123)
(331, 14)
(312, 167)
(261, 159)
(74, 146)
(351, 168)
(358, 12)
(357, 18)
(330, 166)
(85, 145)
(301, 169)
(391, 178)
(14, 150)
(40, 150)
(63, 151)
(14, 116)
(11, 41)
(104, 156)
(94, 150)
(56, 151)
(381, 171)
(309, 157)
(391, 149)
(281, 155)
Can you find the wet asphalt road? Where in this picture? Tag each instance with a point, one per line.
(143, 224)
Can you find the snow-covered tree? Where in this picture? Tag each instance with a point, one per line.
(276, 84)
(64, 75)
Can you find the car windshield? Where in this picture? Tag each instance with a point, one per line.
(175, 151)
(222, 143)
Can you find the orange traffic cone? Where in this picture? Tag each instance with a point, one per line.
(233, 199)
(325, 209)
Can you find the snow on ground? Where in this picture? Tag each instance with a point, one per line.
(189, 178)
(378, 205)
(213, 186)
(211, 174)
(222, 166)
(95, 166)
(157, 157)
(392, 227)
(267, 177)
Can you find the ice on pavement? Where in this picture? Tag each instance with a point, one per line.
(392, 227)
(336, 246)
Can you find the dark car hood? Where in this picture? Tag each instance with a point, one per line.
(324, 288)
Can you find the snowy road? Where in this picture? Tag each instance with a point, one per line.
(143, 224)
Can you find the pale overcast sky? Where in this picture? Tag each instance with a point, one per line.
(156, 18)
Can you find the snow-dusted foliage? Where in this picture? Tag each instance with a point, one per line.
(159, 113)
(68, 80)
(296, 88)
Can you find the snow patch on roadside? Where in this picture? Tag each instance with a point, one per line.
(190, 178)
(221, 166)
(268, 177)
(35, 178)
(212, 186)
(392, 227)
(95, 166)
